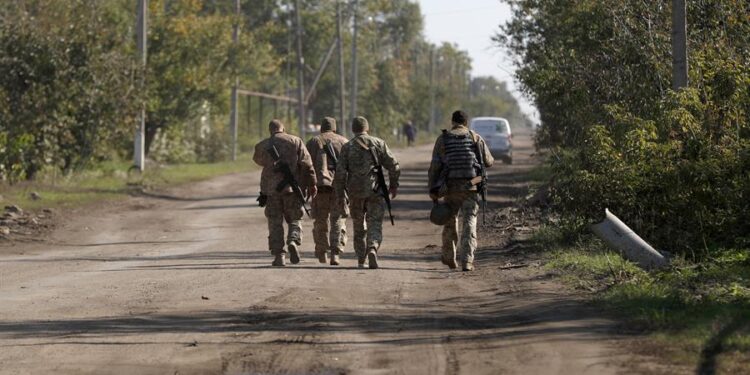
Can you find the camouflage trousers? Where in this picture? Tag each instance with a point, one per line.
(367, 218)
(464, 205)
(329, 227)
(280, 208)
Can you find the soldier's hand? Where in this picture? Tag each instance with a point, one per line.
(394, 191)
(312, 191)
(434, 197)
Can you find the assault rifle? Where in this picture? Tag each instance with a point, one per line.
(380, 186)
(288, 177)
(482, 185)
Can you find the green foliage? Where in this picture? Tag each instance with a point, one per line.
(71, 86)
(488, 97)
(64, 91)
(675, 166)
(212, 148)
(192, 62)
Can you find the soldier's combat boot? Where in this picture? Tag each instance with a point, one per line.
(467, 266)
(323, 258)
(279, 260)
(372, 259)
(335, 259)
(451, 263)
(293, 253)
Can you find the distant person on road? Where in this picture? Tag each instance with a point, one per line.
(410, 132)
(454, 175)
(329, 211)
(281, 193)
(355, 174)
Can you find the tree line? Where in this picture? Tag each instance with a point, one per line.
(673, 165)
(70, 86)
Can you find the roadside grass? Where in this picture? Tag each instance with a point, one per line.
(696, 314)
(111, 181)
(540, 174)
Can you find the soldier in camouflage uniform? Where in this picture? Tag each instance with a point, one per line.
(283, 205)
(327, 207)
(453, 176)
(355, 174)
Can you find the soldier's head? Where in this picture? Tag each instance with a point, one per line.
(328, 125)
(459, 118)
(275, 126)
(360, 125)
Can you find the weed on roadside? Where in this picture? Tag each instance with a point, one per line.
(697, 314)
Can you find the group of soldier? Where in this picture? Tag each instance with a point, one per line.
(345, 178)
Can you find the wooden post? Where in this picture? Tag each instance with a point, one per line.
(679, 45)
(342, 127)
(300, 72)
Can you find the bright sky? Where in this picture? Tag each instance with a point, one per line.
(471, 24)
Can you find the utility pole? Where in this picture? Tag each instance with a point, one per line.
(300, 72)
(139, 153)
(679, 45)
(288, 72)
(234, 115)
(342, 85)
(353, 93)
(431, 126)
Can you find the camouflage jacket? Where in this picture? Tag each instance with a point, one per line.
(438, 163)
(324, 171)
(354, 171)
(293, 153)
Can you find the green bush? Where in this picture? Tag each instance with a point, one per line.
(212, 148)
(675, 166)
(65, 93)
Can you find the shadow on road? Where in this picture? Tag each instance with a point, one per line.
(481, 319)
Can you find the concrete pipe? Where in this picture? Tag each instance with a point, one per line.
(632, 247)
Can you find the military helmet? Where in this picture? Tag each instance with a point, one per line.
(440, 213)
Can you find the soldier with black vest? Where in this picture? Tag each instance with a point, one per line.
(456, 175)
(328, 210)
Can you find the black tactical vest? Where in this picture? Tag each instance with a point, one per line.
(460, 156)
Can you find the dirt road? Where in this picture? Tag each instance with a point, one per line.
(181, 283)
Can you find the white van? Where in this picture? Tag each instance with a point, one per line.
(496, 132)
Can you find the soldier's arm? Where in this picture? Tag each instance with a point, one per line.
(342, 172)
(436, 165)
(488, 159)
(390, 163)
(305, 165)
(313, 147)
(260, 155)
